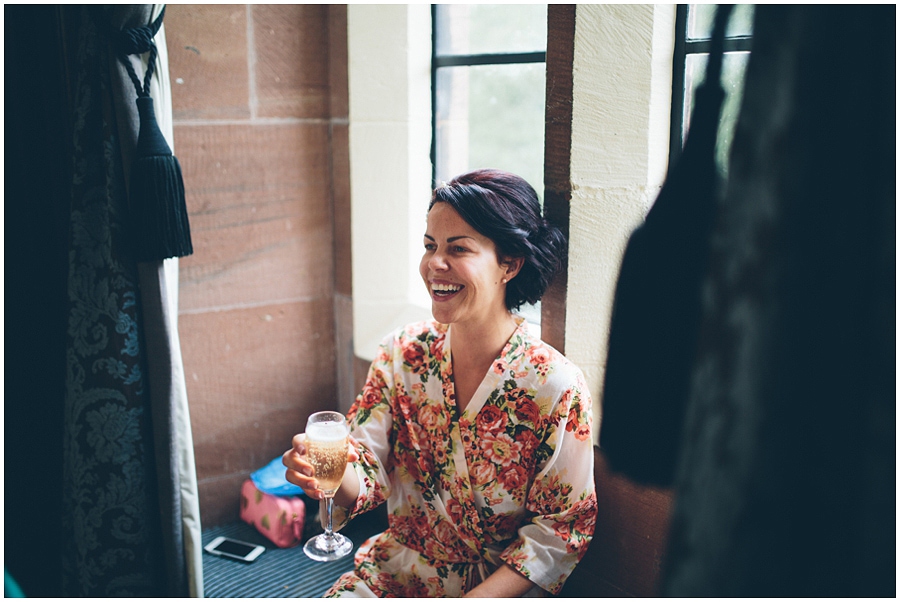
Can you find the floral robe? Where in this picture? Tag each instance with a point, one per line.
(508, 480)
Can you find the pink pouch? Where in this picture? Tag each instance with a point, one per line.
(280, 519)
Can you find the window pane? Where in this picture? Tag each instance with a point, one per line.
(701, 16)
(491, 116)
(733, 66)
(490, 28)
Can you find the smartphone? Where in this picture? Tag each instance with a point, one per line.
(232, 548)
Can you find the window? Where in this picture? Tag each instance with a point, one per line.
(693, 32)
(488, 73)
(488, 84)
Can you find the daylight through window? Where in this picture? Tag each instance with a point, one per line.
(488, 82)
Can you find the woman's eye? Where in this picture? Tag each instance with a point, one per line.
(429, 246)
(460, 249)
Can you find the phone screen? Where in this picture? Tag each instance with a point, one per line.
(235, 548)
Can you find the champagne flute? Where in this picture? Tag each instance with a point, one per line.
(327, 447)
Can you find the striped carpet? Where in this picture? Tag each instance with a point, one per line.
(277, 573)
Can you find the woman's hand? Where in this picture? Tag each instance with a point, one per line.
(502, 583)
(301, 473)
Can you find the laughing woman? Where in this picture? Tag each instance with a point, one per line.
(475, 433)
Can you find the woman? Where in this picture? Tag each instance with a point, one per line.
(475, 433)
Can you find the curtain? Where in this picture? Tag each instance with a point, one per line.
(130, 511)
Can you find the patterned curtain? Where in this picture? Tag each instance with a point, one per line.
(130, 519)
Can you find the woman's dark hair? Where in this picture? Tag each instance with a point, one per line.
(505, 208)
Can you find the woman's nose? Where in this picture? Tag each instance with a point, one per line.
(437, 262)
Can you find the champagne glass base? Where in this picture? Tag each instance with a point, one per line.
(325, 549)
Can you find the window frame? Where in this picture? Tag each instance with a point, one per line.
(683, 48)
(466, 60)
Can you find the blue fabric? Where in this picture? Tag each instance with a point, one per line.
(270, 479)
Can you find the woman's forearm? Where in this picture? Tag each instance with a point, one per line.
(503, 583)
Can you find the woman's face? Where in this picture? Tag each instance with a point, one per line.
(461, 270)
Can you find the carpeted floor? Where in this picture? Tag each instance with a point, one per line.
(277, 573)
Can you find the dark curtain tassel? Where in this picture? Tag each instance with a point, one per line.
(160, 214)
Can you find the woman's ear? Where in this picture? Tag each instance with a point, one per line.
(512, 266)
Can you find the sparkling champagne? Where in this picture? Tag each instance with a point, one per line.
(327, 443)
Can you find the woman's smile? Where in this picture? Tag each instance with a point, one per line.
(443, 290)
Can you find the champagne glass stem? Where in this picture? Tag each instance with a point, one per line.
(329, 508)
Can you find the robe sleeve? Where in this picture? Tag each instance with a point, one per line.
(370, 421)
(562, 500)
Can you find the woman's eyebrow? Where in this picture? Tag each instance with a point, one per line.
(451, 239)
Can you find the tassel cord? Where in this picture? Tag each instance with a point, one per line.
(134, 41)
(138, 40)
(142, 91)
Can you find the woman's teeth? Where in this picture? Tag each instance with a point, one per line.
(445, 289)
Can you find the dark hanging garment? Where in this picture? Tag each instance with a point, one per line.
(786, 477)
(656, 310)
